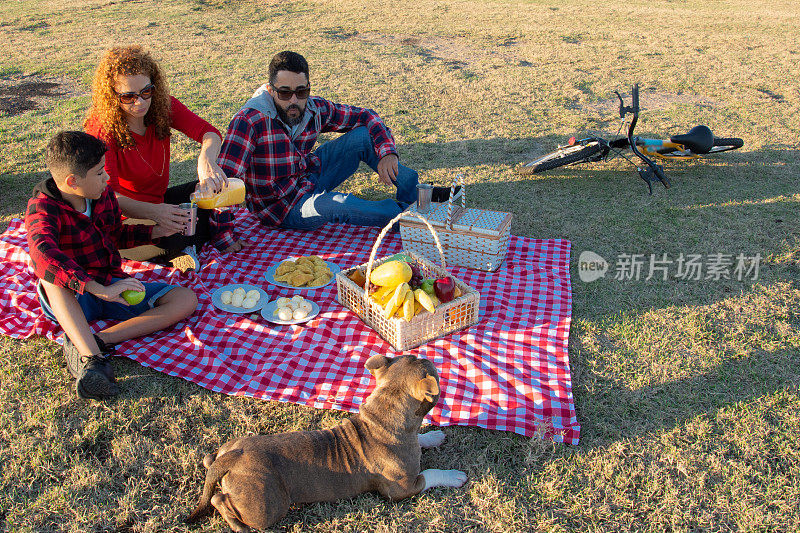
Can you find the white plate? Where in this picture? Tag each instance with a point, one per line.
(270, 274)
(217, 301)
(268, 309)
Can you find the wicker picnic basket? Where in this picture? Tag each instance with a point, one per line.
(474, 238)
(403, 335)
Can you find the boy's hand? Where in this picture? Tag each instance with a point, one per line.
(113, 292)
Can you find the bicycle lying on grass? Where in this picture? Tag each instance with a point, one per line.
(692, 145)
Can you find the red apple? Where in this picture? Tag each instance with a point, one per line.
(445, 289)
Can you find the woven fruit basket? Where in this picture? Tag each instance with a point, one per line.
(402, 334)
(474, 238)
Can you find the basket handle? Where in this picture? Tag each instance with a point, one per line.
(459, 179)
(382, 234)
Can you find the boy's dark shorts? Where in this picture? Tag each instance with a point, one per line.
(95, 309)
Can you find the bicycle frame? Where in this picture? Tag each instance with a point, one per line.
(648, 148)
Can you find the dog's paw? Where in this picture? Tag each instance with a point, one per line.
(431, 438)
(443, 478)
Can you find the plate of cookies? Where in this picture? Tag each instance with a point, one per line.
(239, 298)
(302, 272)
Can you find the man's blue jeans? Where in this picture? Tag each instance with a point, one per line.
(339, 160)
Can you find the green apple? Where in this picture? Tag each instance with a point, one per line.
(133, 297)
(427, 286)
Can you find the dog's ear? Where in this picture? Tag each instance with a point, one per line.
(377, 364)
(426, 389)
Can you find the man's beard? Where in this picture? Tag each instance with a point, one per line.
(286, 119)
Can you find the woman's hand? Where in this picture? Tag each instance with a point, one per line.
(212, 177)
(209, 172)
(170, 218)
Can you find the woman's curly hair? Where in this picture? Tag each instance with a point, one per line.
(106, 109)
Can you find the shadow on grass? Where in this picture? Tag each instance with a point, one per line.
(17, 189)
(613, 411)
(458, 154)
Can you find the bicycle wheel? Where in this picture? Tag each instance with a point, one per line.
(723, 144)
(567, 155)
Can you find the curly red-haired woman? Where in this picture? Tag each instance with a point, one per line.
(134, 114)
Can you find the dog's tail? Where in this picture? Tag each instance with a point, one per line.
(214, 474)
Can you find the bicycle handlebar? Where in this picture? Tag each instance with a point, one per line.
(655, 169)
(634, 107)
(661, 176)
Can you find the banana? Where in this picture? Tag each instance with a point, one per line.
(397, 299)
(382, 295)
(424, 299)
(408, 306)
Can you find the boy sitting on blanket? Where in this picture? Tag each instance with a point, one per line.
(74, 233)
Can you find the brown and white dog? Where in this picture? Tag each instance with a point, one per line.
(376, 450)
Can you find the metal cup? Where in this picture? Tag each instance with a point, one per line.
(191, 227)
(424, 192)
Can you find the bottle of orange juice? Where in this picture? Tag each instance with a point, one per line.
(231, 194)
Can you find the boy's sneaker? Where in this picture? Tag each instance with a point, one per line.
(94, 377)
(442, 194)
(186, 260)
(106, 351)
(73, 357)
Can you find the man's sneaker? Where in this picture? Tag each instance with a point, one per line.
(94, 377)
(186, 260)
(442, 194)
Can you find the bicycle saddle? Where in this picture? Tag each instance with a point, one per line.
(699, 139)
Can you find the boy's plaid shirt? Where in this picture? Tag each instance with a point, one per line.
(68, 248)
(259, 149)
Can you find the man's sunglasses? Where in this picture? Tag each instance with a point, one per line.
(144, 94)
(286, 94)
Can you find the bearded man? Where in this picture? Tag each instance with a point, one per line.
(270, 141)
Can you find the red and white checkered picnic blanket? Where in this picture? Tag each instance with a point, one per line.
(508, 372)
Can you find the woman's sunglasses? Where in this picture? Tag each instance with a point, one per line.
(145, 94)
(286, 94)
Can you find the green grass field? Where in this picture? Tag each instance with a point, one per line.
(686, 390)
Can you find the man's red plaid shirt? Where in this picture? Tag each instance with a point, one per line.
(259, 149)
